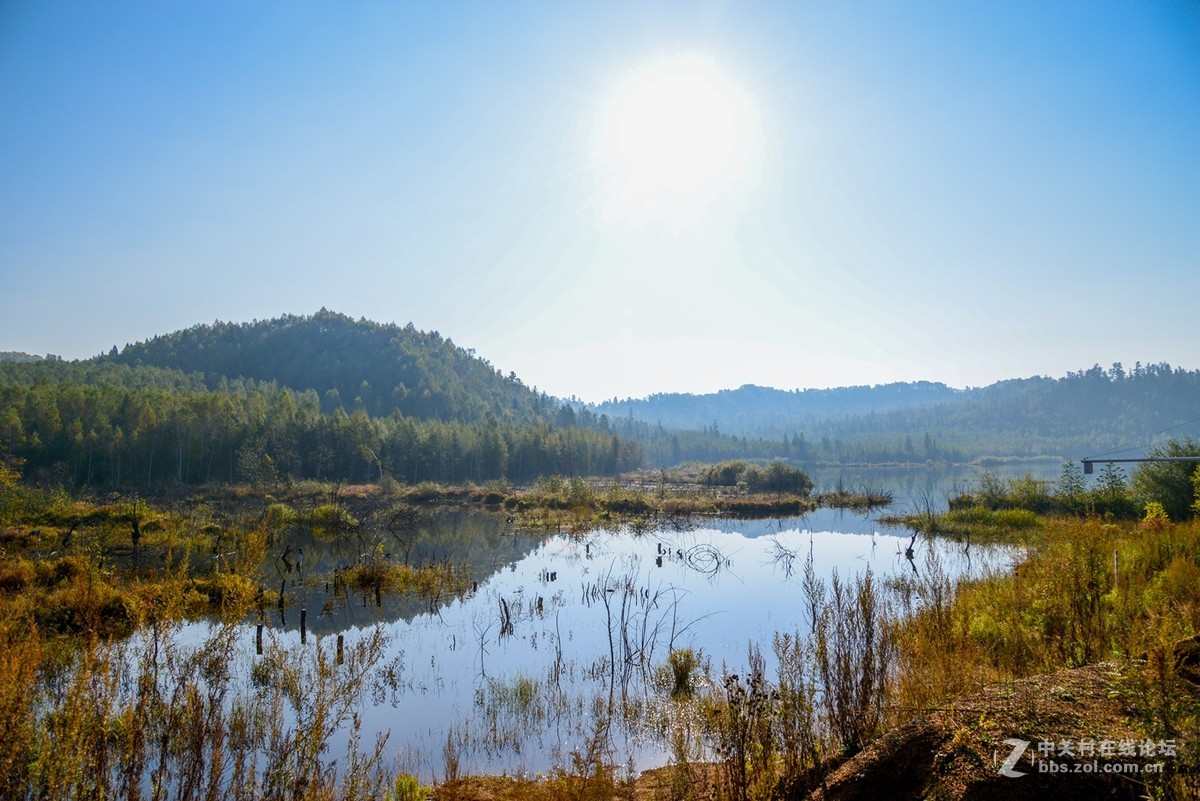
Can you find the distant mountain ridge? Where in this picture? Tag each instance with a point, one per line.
(763, 411)
(17, 356)
(1082, 413)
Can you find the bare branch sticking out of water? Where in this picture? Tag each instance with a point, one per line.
(784, 558)
(706, 559)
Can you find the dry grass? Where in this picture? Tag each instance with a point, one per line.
(1063, 606)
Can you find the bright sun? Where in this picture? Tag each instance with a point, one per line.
(673, 137)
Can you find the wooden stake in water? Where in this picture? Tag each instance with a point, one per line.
(303, 625)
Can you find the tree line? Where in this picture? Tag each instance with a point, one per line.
(90, 424)
(119, 436)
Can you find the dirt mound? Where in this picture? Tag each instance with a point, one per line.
(956, 753)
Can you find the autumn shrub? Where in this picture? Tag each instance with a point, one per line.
(800, 741)
(379, 574)
(619, 500)
(854, 651)
(739, 718)
(280, 515)
(16, 576)
(425, 492)
(725, 474)
(405, 787)
(778, 477)
(1155, 517)
(681, 671)
(329, 520)
(590, 774)
(20, 658)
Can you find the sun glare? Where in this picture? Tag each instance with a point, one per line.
(673, 137)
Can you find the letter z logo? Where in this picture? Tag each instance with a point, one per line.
(1018, 748)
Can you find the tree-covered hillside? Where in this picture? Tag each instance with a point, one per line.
(322, 397)
(354, 365)
(1084, 413)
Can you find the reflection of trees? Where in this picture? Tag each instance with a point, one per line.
(403, 523)
(783, 558)
(478, 541)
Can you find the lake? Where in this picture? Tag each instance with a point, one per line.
(558, 629)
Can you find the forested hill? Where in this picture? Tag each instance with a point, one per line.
(322, 397)
(378, 368)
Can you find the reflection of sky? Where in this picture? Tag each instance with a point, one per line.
(718, 587)
(845, 521)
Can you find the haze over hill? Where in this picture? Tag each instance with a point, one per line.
(763, 411)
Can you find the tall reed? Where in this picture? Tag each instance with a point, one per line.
(153, 718)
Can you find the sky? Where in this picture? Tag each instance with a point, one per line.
(620, 198)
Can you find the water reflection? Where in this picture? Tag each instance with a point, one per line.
(920, 487)
(481, 543)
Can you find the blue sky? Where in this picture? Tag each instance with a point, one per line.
(959, 192)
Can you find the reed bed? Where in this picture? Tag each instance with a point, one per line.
(151, 717)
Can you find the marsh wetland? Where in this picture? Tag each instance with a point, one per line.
(316, 641)
(555, 630)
